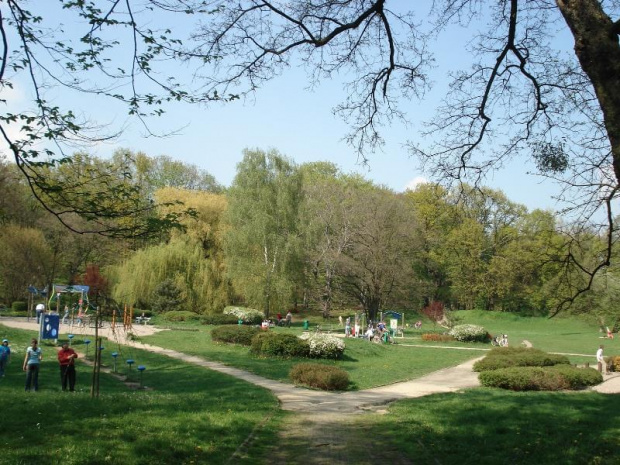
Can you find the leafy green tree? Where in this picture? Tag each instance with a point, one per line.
(24, 260)
(262, 244)
(375, 268)
(193, 260)
(167, 297)
(327, 219)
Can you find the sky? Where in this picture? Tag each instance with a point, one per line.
(299, 123)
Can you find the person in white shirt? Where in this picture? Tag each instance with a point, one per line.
(600, 359)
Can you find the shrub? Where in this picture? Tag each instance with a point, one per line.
(436, 337)
(219, 319)
(324, 345)
(469, 333)
(319, 376)
(505, 357)
(248, 315)
(579, 378)
(613, 363)
(279, 345)
(180, 315)
(19, 306)
(540, 379)
(234, 334)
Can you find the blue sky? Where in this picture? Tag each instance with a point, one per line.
(299, 123)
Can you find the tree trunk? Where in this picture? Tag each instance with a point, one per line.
(598, 51)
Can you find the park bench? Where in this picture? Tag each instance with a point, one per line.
(143, 319)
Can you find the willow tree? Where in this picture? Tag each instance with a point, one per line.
(262, 244)
(191, 260)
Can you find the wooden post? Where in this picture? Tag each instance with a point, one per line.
(94, 389)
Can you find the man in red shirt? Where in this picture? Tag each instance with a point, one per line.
(66, 358)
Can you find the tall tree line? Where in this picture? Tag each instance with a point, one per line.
(309, 236)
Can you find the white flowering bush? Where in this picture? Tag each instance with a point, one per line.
(469, 333)
(324, 345)
(248, 315)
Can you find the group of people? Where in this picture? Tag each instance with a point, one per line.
(378, 334)
(32, 363)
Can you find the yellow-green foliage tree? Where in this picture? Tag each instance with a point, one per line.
(24, 260)
(191, 259)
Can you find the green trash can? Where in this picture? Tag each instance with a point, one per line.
(306, 325)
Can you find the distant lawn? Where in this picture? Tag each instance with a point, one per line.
(488, 426)
(368, 364)
(189, 415)
(559, 334)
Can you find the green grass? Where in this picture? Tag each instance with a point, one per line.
(189, 414)
(368, 365)
(489, 426)
(559, 334)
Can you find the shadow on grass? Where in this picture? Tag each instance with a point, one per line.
(487, 426)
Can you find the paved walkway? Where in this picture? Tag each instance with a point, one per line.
(299, 399)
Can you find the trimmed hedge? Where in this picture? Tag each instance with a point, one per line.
(320, 376)
(219, 319)
(19, 306)
(279, 345)
(180, 315)
(505, 357)
(540, 379)
(436, 337)
(234, 334)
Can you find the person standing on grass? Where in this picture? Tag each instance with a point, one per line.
(347, 327)
(5, 356)
(600, 359)
(289, 319)
(31, 365)
(66, 358)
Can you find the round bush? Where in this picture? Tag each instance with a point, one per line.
(540, 379)
(279, 345)
(324, 345)
(219, 319)
(180, 315)
(469, 333)
(319, 376)
(19, 306)
(613, 363)
(248, 315)
(234, 334)
(505, 357)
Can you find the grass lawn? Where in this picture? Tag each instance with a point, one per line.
(368, 365)
(489, 426)
(559, 334)
(189, 414)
